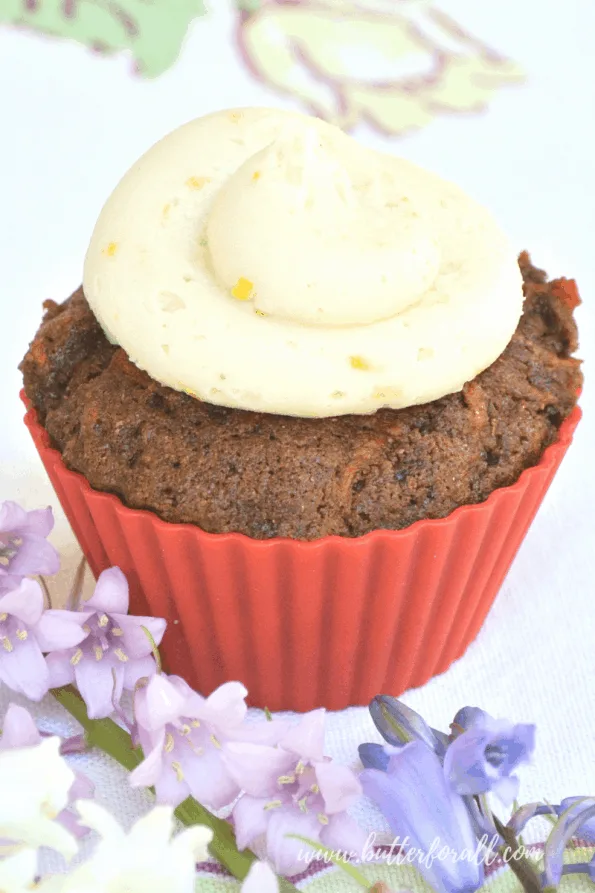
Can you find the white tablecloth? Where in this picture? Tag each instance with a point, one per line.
(72, 121)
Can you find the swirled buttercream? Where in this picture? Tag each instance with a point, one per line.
(265, 260)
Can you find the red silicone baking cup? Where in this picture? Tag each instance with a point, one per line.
(329, 623)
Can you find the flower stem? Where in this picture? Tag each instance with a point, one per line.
(522, 868)
(114, 741)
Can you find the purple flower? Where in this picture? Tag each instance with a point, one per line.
(579, 814)
(19, 730)
(293, 789)
(26, 630)
(422, 809)
(182, 735)
(399, 724)
(484, 757)
(23, 546)
(114, 651)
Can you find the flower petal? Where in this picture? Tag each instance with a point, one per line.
(18, 872)
(260, 879)
(289, 855)
(147, 773)
(306, 739)
(586, 830)
(24, 670)
(197, 839)
(208, 778)
(98, 819)
(13, 518)
(135, 641)
(418, 803)
(61, 671)
(40, 522)
(56, 630)
(338, 786)
(226, 706)
(25, 603)
(158, 703)
(139, 668)
(18, 729)
(250, 819)
(374, 756)
(344, 834)
(95, 682)
(111, 593)
(256, 767)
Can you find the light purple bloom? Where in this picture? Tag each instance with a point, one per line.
(577, 816)
(399, 724)
(23, 546)
(19, 730)
(113, 653)
(293, 789)
(484, 757)
(182, 736)
(26, 630)
(422, 808)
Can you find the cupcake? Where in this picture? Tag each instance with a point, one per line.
(309, 400)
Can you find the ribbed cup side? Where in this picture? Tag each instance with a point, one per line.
(329, 623)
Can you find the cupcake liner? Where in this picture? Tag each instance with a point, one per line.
(329, 623)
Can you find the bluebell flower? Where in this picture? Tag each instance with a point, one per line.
(484, 757)
(399, 724)
(428, 816)
(579, 814)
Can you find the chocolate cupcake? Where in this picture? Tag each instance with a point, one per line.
(306, 390)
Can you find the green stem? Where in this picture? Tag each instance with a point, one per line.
(522, 868)
(114, 741)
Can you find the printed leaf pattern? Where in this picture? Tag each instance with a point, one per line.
(151, 30)
(396, 64)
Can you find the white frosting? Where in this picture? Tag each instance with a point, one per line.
(264, 260)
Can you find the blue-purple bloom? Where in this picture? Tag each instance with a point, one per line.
(423, 810)
(26, 632)
(484, 757)
(24, 548)
(113, 652)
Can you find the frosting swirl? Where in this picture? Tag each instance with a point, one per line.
(264, 260)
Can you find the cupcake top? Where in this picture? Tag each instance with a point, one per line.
(264, 260)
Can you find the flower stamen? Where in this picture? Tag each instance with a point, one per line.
(286, 779)
(169, 743)
(7, 644)
(121, 655)
(178, 770)
(76, 657)
(274, 804)
(322, 818)
(116, 631)
(22, 634)
(216, 742)
(98, 652)
(103, 620)
(303, 804)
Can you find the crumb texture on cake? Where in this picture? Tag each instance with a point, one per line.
(270, 475)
